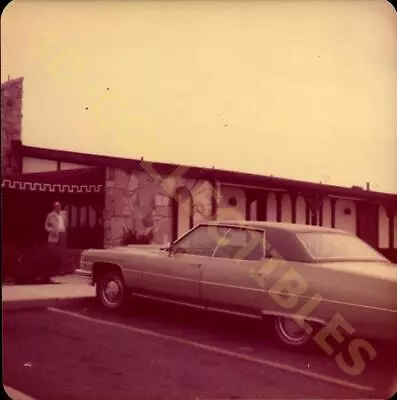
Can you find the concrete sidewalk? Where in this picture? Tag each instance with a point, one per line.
(67, 290)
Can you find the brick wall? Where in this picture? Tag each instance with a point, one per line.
(11, 122)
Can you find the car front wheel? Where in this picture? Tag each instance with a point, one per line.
(111, 290)
(291, 333)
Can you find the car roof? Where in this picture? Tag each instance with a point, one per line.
(275, 225)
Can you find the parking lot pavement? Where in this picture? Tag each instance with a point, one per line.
(250, 337)
(50, 355)
(162, 352)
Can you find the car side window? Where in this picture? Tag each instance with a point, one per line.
(241, 244)
(201, 241)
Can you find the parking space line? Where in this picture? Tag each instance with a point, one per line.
(218, 350)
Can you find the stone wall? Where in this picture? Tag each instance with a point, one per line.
(142, 203)
(11, 122)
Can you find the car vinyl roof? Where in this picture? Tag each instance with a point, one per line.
(275, 225)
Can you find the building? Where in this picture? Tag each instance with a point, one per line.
(107, 197)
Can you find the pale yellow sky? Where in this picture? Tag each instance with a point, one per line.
(298, 89)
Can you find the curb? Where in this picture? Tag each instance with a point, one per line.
(31, 304)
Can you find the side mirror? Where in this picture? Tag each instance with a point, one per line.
(170, 248)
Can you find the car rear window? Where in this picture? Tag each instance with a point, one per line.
(325, 246)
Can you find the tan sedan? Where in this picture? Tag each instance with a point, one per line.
(307, 281)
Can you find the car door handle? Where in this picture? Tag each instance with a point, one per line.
(195, 265)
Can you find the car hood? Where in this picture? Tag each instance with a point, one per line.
(138, 247)
(380, 270)
(130, 249)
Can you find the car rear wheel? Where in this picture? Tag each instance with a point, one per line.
(290, 333)
(111, 290)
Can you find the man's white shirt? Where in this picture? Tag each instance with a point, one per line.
(61, 223)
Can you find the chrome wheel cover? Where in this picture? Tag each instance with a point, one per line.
(112, 291)
(290, 332)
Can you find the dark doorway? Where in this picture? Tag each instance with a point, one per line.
(182, 212)
(368, 222)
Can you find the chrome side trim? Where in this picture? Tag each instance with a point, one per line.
(270, 292)
(233, 286)
(294, 316)
(166, 300)
(192, 305)
(149, 274)
(336, 302)
(225, 311)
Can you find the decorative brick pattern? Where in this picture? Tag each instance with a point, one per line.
(47, 187)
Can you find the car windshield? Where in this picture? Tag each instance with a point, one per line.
(324, 246)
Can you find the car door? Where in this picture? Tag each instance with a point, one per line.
(228, 280)
(177, 273)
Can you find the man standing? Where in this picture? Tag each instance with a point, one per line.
(56, 226)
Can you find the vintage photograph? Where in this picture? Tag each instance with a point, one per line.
(199, 199)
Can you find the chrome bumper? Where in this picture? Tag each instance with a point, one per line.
(87, 275)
